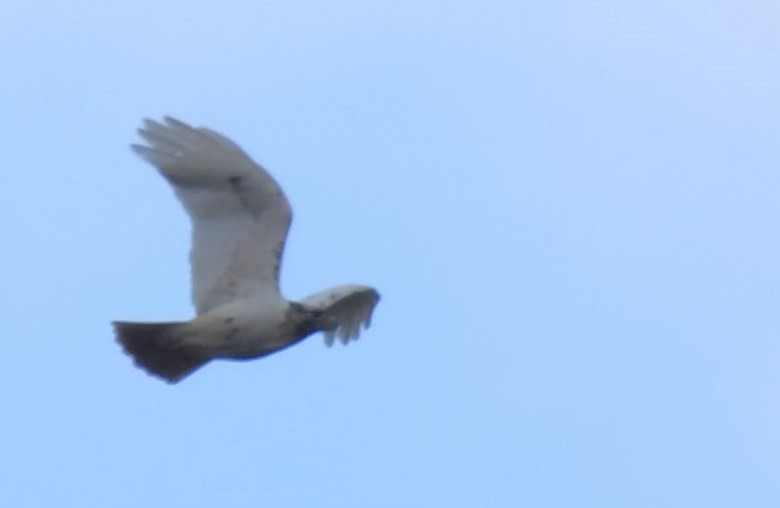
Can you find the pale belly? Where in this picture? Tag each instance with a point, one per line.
(245, 331)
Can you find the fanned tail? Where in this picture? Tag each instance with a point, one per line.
(158, 349)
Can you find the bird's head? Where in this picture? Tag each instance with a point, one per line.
(316, 320)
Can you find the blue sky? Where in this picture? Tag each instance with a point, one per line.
(570, 208)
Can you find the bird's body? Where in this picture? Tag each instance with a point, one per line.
(247, 328)
(240, 220)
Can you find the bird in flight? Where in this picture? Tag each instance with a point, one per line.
(240, 218)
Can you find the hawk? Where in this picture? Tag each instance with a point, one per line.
(240, 218)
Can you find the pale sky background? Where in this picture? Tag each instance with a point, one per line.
(571, 209)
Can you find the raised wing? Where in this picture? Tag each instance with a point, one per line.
(347, 307)
(240, 216)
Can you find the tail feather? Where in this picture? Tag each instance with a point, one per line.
(158, 348)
